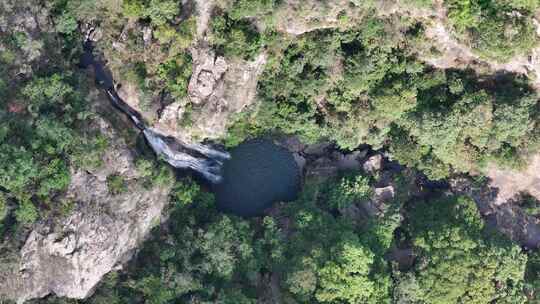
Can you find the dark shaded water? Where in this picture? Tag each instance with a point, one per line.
(258, 174)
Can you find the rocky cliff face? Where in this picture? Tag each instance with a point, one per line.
(218, 89)
(69, 257)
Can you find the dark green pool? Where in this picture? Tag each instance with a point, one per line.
(258, 174)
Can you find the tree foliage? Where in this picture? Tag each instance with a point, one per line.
(362, 87)
(532, 277)
(498, 29)
(349, 190)
(461, 263)
(235, 38)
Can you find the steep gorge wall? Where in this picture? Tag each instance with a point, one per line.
(69, 256)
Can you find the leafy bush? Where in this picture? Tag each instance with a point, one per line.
(349, 190)
(161, 11)
(158, 11)
(154, 172)
(163, 174)
(46, 91)
(435, 120)
(346, 277)
(494, 28)
(3, 210)
(338, 261)
(235, 38)
(529, 204)
(133, 8)
(503, 38)
(26, 213)
(185, 191)
(66, 23)
(532, 277)
(145, 167)
(116, 184)
(88, 154)
(462, 131)
(176, 73)
(55, 177)
(42, 139)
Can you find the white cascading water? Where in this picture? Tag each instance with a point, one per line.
(198, 157)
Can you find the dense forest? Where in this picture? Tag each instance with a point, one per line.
(359, 77)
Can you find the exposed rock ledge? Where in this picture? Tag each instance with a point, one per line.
(70, 257)
(511, 182)
(218, 89)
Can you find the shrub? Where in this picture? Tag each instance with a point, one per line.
(235, 38)
(494, 29)
(349, 190)
(529, 204)
(532, 277)
(66, 23)
(145, 167)
(88, 153)
(175, 73)
(185, 191)
(55, 177)
(462, 262)
(502, 38)
(133, 8)
(47, 91)
(345, 278)
(163, 174)
(26, 213)
(161, 11)
(116, 184)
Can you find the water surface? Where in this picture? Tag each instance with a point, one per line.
(258, 174)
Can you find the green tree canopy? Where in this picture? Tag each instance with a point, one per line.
(459, 262)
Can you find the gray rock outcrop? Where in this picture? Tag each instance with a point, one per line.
(218, 89)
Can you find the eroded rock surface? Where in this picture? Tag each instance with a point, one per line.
(68, 258)
(204, 12)
(297, 17)
(511, 182)
(455, 54)
(500, 213)
(217, 90)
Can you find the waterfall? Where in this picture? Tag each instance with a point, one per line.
(208, 167)
(203, 159)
